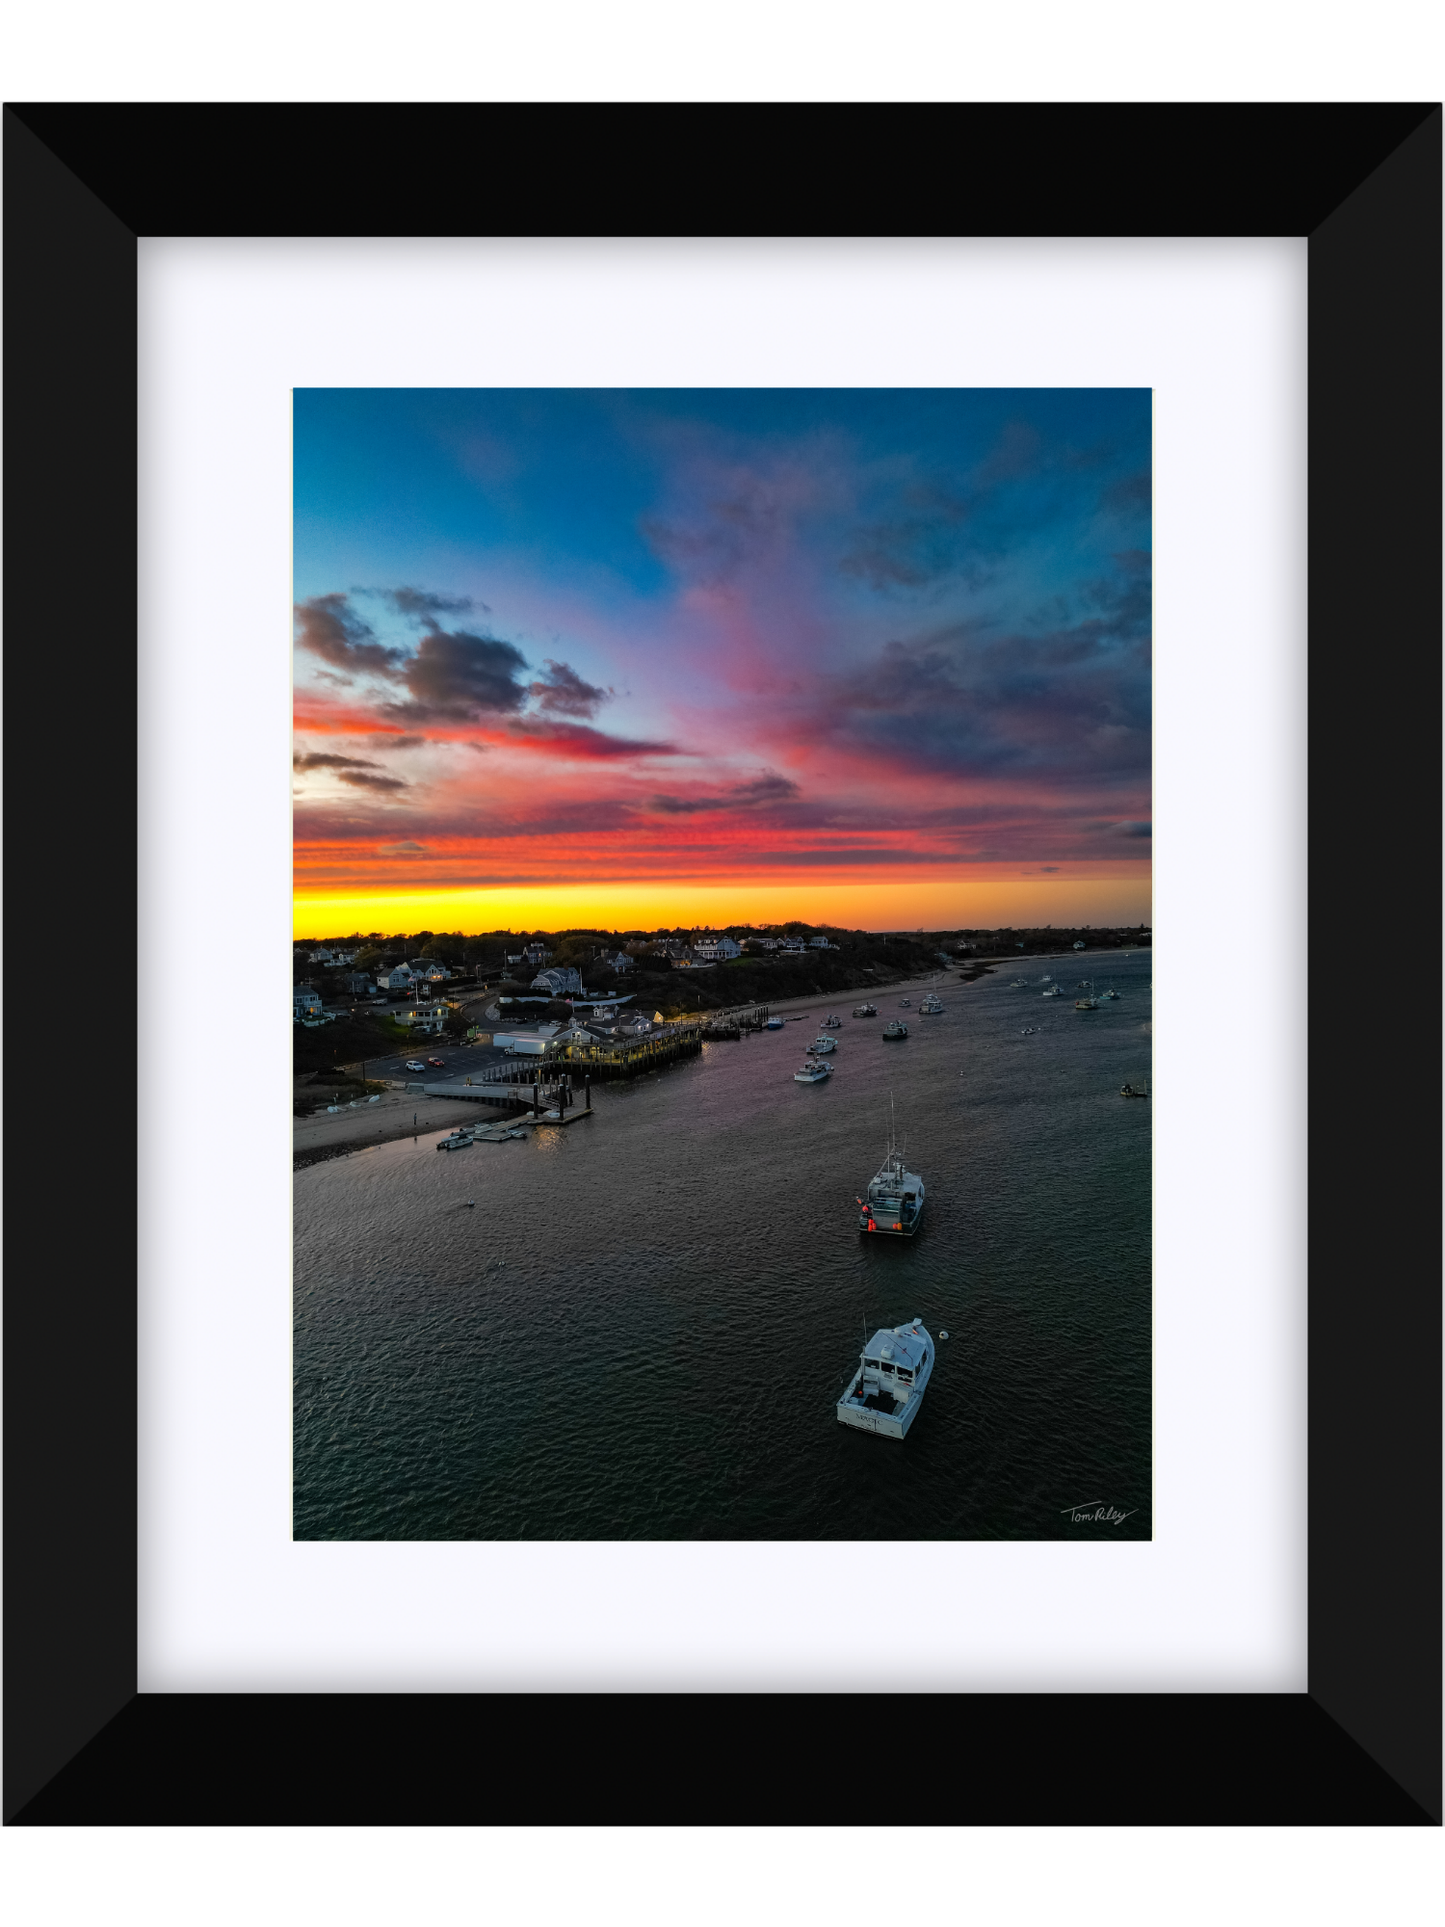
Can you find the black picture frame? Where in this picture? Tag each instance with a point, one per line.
(1363, 1744)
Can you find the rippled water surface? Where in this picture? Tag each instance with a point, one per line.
(642, 1326)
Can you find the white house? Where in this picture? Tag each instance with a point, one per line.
(526, 1043)
(762, 943)
(794, 946)
(819, 943)
(428, 970)
(559, 981)
(398, 979)
(305, 1002)
(716, 949)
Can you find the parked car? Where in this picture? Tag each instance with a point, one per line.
(413, 1065)
(436, 1063)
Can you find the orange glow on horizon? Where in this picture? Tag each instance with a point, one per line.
(981, 899)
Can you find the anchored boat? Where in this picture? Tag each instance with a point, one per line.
(896, 1029)
(865, 1010)
(830, 1022)
(814, 1073)
(823, 1043)
(930, 1005)
(893, 1373)
(895, 1198)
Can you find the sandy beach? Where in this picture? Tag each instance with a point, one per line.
(316, 1138)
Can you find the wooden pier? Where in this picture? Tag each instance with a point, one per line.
(564, 1094)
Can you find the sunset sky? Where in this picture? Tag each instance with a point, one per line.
(873, 657)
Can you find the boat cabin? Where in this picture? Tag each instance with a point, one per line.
(895, 1358)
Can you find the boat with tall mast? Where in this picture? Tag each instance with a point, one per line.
(894, 1203)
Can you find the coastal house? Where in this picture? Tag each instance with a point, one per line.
(819, 943)
(425, 1017)
(716, 950)
(399, 977)
(305, 1002)
(535, 954)
(762, 943)
(620, 963)
(357, 983)
(793, 947)
(428, 971)
(559, 981)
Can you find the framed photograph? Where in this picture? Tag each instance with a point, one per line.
(725, 762)
(827, 661)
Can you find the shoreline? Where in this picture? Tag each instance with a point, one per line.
(317, 1140)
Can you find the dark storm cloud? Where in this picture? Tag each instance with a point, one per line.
(322, 760)
(562, 692)
(577, 740)
(457, 676)
(531, 815)
(765, 789)
(421, 605)
(1068, 701)
(331, 628)
(360, 780)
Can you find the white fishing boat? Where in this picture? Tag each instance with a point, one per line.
(896, 1029)
(887, 1389)
(904, 1003)
(894, 1203)
(1088, 1001)
(1108, 994)
(865, 1010)
(830, 1022)
(930, 1005)
(814, 1073)
(456, 1142)
(824, 1043)
(1019, 983)
(1053, 991)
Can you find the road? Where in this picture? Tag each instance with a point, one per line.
(457, 1060)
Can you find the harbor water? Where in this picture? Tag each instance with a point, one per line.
(639, 1326)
